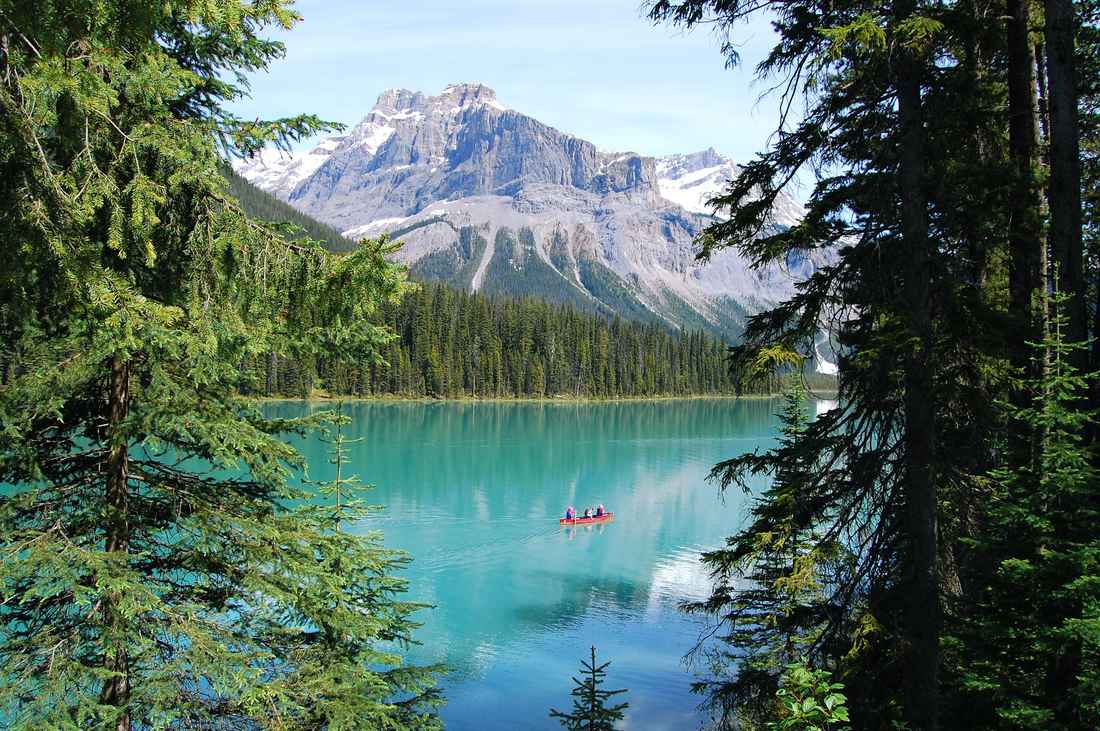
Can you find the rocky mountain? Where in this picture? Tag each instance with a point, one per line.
(490, 199)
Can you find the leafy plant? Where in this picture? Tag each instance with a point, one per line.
(809, 701)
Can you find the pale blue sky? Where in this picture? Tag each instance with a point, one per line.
(593, 68)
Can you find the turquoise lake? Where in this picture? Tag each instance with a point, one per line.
(473, 492)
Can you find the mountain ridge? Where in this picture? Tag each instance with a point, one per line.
(489, 199)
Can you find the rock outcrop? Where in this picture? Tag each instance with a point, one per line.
(491, 199)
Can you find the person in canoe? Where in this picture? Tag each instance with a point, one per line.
(588, 512)
(570, 513)
(599, 511)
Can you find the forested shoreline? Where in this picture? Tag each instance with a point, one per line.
(456, 344)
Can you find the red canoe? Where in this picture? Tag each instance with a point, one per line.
(586, 521)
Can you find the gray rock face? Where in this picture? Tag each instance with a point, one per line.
(414, 150)
(454, 174)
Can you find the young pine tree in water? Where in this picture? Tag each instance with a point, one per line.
(161, 569)
(591, 711)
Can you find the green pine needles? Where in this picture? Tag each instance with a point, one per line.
(591, 711)
(161, 567)
(1035, 625)
(771, 602)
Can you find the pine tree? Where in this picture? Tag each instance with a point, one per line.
(770, 596)
(591, 711)
(892, 108)
(162, 569)
(1026, 647)
(920, 120)
(341, 695)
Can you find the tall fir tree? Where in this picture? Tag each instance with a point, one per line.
(1025, 647)
(770, 597)
(161, 569)
(922, 123)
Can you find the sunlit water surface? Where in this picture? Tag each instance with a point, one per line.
(474, 491)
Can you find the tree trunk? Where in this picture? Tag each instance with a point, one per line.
(1025, 231)
(1044, 101)
(1067, 257)
(1065, 167)
(272, 373)
(976, 67)
(1025, 226)
(1094, 367)
(116, 690)
(922, 611)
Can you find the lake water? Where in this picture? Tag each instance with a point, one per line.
(474, 490)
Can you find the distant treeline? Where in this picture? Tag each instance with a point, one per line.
(261, 204)
(455, 344)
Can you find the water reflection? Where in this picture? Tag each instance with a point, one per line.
(474, 491)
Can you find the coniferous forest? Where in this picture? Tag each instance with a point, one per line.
(932, 544)
(925, 555)
(453, 344)
(456, 344)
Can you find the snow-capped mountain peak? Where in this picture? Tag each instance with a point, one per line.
(491, 199)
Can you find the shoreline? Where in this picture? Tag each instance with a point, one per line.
(817, 394)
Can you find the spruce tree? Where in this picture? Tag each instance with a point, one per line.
(591, 711)
(929, 223)
(908, 224)
(771, 594)
(162, 568)
(1025, 647)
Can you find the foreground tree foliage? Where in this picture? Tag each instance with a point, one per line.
(1028, 636)
(160, 568)
(772, 579)
(955, 151)
(591, 708)
(808, 701)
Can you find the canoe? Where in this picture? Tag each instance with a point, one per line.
(606, 517)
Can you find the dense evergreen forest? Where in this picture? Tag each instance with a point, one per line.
(266, 207)
(932, 543)
(141, 591)
(457, 344)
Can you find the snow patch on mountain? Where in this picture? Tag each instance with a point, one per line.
(617, 228)
(277, 170)
(692, 191)
(378, 226)
(821, 364)
(693, 179)
(479, 275)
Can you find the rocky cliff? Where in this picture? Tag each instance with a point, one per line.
(493, 200)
